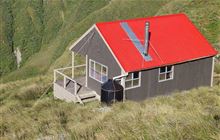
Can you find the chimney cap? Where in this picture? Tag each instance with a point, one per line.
(147, 23)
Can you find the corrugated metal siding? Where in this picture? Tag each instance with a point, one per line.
(186, 76)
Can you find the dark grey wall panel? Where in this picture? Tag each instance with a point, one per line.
(97, 50)
(186, 76)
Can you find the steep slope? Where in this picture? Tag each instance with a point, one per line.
(35, 25)
(22, 28)
(6, 32)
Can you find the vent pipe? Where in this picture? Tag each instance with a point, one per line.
(143, 49)
(146, 41)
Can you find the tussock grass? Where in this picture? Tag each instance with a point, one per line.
(183, 115)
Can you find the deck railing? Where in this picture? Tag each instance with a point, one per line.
(64, 76)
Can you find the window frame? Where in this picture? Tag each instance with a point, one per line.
(132, 80)
(165, 72)
(101, 73)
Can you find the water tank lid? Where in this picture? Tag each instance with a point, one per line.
(112, 85)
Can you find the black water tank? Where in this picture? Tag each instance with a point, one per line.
(111, 91)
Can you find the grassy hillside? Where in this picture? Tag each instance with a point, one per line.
(30, 114)
(39, 25)
(44, 30)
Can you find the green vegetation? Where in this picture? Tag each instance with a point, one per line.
(7, 45)
(29, 113)
(43, 30)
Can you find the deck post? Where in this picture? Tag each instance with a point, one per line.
(75, 88)
(123, 84)
(73, 57)
(64, 82)
(54, 76)
(86, 71)
(212, 75)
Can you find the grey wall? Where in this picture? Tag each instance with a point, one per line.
(186, 76)
(98, 51)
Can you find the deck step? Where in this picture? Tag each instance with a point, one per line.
(89, 100)
(88, 97)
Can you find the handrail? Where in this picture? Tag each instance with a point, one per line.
(83, 65)
(70, 67)
(64, 68)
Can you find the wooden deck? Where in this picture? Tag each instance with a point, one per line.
(85, 94)
(81, 89)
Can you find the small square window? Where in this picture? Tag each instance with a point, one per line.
(165, 73)
(132, 80)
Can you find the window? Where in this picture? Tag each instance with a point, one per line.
(133, 80)
(166, 73)
(98, 71)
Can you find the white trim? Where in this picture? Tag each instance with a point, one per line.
(77, 41)
(73, 61)
(132, 79)
(86, 71)
(64, 80)
(212, 76)
(122, 80)
(77, 66)
(120, 76)
(172, 72)
(123, 84)
(109, 49)
(90, 60)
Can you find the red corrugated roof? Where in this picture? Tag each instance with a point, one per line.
(173, 39)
